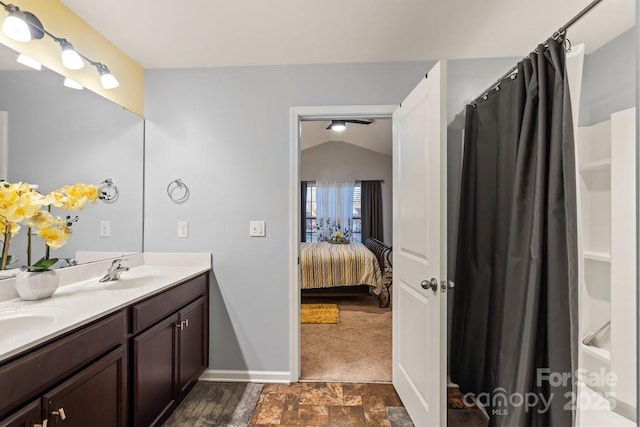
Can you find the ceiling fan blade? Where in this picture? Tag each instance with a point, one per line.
(360, 122)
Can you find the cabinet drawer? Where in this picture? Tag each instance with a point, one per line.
(27, 416)
(156, 308)
(29, 375)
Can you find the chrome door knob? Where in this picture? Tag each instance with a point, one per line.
(430, 284)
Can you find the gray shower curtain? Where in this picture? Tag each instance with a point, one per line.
(515, 305)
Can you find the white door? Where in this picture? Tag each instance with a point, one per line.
(419, 250)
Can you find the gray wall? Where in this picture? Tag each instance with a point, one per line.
(337, 160)
(608, 80)
(60, 136)
(225, 132)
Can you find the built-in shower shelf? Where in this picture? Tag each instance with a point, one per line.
(598, 256)
(596, 165)
(599, 353)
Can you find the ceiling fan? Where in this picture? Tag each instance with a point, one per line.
(341, 125)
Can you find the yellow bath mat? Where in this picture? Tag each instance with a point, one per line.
(319, 313)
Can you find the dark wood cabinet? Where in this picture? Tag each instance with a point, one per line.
(28, 416)
(193, 343)
(154, 372)
(168, 357)
(97, 396)
(131, 367)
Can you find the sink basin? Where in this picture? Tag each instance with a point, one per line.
(22, 322)
(132, 280)
(130, 283)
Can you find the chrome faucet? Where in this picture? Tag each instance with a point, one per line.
(115, 270)
(70, 261)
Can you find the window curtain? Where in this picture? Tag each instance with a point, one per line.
(515, 304)
(371, 214)
(334, 208)
(303, 211)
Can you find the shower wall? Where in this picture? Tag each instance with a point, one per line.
(605, 148)
(608, 81)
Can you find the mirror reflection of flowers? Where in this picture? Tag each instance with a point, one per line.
(22, 204)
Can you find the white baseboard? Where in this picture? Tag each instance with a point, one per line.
(222, 375)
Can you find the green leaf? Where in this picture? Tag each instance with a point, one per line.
(42, 264)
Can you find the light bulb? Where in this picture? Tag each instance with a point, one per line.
(16, 28)
(70, 83)
(70, 58)
(338, 125)
(29, 62)
(108, 80)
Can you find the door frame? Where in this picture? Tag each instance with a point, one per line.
(296, 115)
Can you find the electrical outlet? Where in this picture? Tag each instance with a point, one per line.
(257, 228)
(105, 228)
(183, 229)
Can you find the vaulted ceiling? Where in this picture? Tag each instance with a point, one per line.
(376, 136)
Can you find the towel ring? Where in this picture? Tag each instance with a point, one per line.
(108, 190)
(175, 185)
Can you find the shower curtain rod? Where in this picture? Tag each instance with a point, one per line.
(561, 31)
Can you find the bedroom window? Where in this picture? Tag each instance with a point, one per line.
(311, 228)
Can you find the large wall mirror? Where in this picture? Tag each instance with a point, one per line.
(56, 136)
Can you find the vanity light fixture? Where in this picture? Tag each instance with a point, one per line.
(107, 79)
(70, 83)
(24, 26)
(21, 26)
(15, 25)
(70, 58)
(338, 125)
(29, 62)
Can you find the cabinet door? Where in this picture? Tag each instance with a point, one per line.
(96, 396)
(193, 341)
(155, 372)
(28, 416)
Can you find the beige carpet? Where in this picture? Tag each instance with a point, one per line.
(358, 349)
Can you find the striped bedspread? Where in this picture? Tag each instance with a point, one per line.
(326, 265)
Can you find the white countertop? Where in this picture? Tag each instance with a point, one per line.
(81, 298)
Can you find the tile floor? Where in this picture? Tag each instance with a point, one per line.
(325, 404)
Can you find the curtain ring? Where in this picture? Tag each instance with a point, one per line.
(567, 45)
(175, 185)
(108, 190)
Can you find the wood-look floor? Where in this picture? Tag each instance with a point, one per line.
(340, 404)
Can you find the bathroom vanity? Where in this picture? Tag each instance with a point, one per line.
(106, 354)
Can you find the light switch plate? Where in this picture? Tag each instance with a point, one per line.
(183, 229)
(257, 228)
(105, 228)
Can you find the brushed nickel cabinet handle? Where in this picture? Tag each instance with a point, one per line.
(60, 413)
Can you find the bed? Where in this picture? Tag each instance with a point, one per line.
(331, 265)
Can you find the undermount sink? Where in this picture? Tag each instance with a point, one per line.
(25, 321)
(132, 280)
(130, 283)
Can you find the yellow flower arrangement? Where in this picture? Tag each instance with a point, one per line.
(21, 203)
